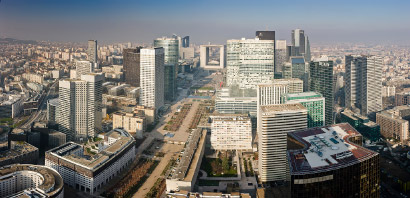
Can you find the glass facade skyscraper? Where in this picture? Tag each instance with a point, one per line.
(314, 103)
(321, 81)
(171, 56)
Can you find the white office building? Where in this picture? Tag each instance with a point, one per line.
(274, 122)
(88, 167)
(152, 77)
(231, 132)
(82, 68)
(79, 113)
(270, 94)
(250, 62)
(26, 180)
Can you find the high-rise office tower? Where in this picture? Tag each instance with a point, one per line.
(170, 82)
(79, 114)
(171, 56)
(131, 66)
(314, 103)
(274, 122)
(308, 56)
(250, 62)
(321, 81)
(298, 41)
(92, 52)
(269, 94)
(280, 55)
(297, 68)
(83, 67)
(152, 77)
(364, 84)
(179, 39)
(185, 41)
(171, 47)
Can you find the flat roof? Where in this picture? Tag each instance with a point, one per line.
(20, 148)
(50, 176)
(304, 94)
(186, 168)
(94, 161)
(230, 117)
(282, 108)
(326, 148)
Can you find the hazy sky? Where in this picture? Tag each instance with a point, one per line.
(212, 21)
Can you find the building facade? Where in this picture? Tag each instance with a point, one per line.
(88, 168)
(393, 123)
(170, 82)
(274, 122)
(321, 81)
(26, 180)
(171, 49)
(205, 54)
(52, 105)
(79, 113)
(131, 66)
(314, 103)
(364, 83)
(130, 122)
(231, 132)
(152, 77)
(298, 41)
(250, 62)
(171, 57)
(367, 128)
(280, 55)
(19, 152)
(92, 51)
(330, 161)
(82, 68)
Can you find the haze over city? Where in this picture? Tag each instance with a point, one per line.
(215, 21)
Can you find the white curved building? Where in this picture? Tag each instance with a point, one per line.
(27, 180)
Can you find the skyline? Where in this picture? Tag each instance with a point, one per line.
(210, 21)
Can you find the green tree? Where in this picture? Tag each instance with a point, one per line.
(225, 164)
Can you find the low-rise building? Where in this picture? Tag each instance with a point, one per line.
(33, 78)
(186, 194)
(148, 112)
(11, 106)
(131, 122)
(183, 176)
(231, 132)
(88, 167)
(402, 98)
(26, 180)
(56, 138)
(367, 128)
(393, 123)
(18, 152)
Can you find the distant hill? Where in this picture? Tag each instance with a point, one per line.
(16, 41)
